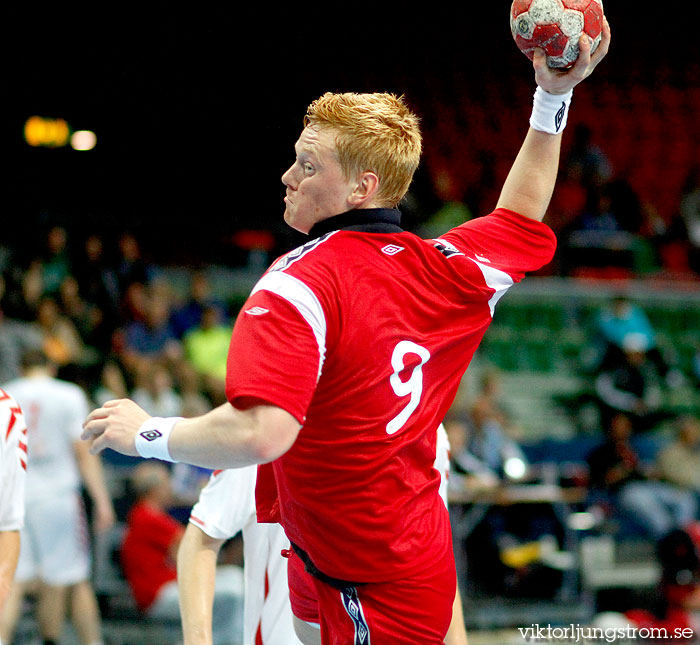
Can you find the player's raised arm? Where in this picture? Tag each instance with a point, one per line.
(530, 182)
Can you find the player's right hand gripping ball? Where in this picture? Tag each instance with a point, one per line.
(556, 26)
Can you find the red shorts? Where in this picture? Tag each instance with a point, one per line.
(411, 610)
(302, 591)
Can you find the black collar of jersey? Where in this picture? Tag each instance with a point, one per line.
(367, 220)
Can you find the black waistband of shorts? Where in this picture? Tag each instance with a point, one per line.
(311, 568)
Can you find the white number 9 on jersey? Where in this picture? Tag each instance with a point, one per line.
(412, 386)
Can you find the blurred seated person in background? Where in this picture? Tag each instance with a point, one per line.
(189, 315)
(151, 338)
(490, 443)
(88, 319)
(97, 277)
(16, 337)
(650, 505)
(465, 469)
(45, 273)
(679, 461)
(481, 449)
(631, 385)
(150, 546)
(490, 401)
(621, 318)
(155, 392)
(61, 341)
(206, 350)
(131, 267)
(112, 383)
(151, 541)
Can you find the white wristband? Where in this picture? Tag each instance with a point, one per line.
(550, 111)
(151, 440)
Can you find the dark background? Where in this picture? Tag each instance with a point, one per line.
(196, 108)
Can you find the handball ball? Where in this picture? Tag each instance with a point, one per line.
(556, 26)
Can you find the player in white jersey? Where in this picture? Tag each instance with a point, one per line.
(55, 548)
(225, 507)
(13, 466)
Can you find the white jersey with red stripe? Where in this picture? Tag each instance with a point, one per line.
(54, 411)
(13, 463)
(363, 335)
(226, 506)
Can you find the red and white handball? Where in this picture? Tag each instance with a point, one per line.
(556, 27)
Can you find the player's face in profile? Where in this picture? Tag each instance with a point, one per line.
(316, 187)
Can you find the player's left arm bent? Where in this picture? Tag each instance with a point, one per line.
(225, 437)
(530, 183)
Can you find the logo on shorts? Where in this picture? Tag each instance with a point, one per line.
(352, 605)
(392, 249)
(151, 435)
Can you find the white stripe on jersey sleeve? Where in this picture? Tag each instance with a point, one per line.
(303, 299)
(496, 279)
(226, 505)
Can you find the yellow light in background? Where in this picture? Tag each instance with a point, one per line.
(41, 131)
(83, 140)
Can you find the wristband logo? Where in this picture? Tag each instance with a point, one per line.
(151, 435)
(559, 116)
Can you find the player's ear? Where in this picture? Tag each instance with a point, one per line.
(365, 189)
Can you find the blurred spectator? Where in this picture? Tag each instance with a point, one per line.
(112, 384)
(489, 399)
(481, 451)
(61, 340)
(465, 469)
(206, 349)
(131, 266)
(624, 317)
(194, 401)
(593, 164)
(621, 318)
(630, 384)
(610, 224)
(16, 336)
(56, 264)
(151, 338)
(88, 318)
(149, 550)
(490, 444)
(189, 315)
(45, 273)
(97, 278)
(155, 392)
(679, 461)
(598, 216)
(617, 478)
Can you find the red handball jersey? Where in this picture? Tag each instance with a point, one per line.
(364, 336)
